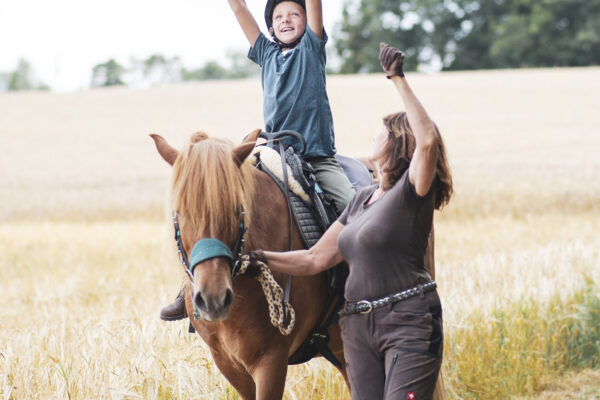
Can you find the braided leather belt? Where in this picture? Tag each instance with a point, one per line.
(366, 306)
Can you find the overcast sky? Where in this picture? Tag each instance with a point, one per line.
(64, 39)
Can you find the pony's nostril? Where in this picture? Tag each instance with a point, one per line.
(228, 298)
(199, 301)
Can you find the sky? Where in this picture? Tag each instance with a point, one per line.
(64, 39)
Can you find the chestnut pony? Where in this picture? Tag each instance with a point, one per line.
(211, 182)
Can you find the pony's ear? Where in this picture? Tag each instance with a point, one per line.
(243, 150)
(168, 153)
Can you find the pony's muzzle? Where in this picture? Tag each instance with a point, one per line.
(214, 307)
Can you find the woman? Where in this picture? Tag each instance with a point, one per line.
(391, 323)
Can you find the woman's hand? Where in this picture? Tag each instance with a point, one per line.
(256, 256)
(391, 60)
(324, 254)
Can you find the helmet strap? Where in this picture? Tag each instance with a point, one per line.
(285, 45)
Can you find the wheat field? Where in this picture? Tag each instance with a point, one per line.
(87, 259)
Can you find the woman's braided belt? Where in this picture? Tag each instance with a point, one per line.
(366, 306)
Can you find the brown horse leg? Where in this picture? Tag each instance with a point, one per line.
(269, 376)
(239, 379)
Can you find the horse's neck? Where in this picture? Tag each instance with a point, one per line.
(270, 228)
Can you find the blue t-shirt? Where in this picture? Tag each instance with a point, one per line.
(294, 95)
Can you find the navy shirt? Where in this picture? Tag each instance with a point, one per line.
(294, 91)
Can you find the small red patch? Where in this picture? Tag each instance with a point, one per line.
(411, 396)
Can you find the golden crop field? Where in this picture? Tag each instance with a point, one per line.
(87, 259)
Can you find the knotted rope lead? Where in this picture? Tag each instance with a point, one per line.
(274, 295)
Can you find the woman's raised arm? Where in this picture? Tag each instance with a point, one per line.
(423, 164)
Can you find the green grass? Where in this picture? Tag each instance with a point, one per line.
(516, 348)
(80, 303)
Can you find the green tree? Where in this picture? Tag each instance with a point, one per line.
(157, 69)
(468, 43)
(21, 78)
(3, 82)
(365, 23)
(109, 73)
(210, 70)
(548, 33)
(471, 34)
(527, 33)
(463, 31)
(241, 66)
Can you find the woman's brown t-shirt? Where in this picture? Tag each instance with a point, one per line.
(384, 242)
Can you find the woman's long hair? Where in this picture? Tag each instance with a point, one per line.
(398, 150)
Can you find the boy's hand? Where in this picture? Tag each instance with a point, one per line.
(391, 60)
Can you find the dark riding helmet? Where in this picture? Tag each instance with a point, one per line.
(271, 4)
(271, 7)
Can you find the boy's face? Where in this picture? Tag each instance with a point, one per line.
(289, 21)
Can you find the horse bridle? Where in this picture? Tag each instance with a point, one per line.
(208, 248)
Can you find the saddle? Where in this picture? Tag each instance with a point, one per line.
(311, 209)
(313, 213)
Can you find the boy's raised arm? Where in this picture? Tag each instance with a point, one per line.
(314, 16)
(246, 20)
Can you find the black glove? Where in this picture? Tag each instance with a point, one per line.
(391, 60)
(255, 257)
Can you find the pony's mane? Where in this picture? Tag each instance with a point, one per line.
(208, 188)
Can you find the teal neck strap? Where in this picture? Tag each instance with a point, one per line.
(205, 249)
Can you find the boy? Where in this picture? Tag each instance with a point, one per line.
(294, 95)
(293, 80)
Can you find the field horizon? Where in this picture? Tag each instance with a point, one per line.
(74, 153)
(87, 259)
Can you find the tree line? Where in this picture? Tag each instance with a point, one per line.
(158, 69)
(441, 34)
(154, 70)
(470, 34)
(21, 78)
